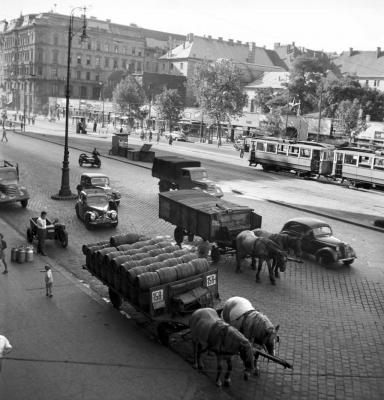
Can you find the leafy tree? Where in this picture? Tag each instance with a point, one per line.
(347, 114)
(218, 89)
(129, 96)
(169, 105)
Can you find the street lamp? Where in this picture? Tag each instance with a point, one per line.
(65, 191)
(101, 84)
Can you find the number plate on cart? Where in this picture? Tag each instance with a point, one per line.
(157, 296)
(211, 280)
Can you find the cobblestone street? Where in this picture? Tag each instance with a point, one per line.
(331, 319)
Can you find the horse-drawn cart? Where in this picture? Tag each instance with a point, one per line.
(214, 220)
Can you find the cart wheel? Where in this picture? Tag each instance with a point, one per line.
(87, 222)
(179, 235)
(191, 236)
(115, 298)
(29, 235)
(64, 239)
(24, 203)
(215, 254)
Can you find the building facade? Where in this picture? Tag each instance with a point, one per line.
(33, 58)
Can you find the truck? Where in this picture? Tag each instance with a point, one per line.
(10, 189)
(176, 173)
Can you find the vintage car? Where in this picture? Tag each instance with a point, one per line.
(318, 241)
(90, 180)
(10, 188)
(94, 208)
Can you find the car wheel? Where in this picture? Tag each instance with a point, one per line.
(87, 222)
(348, 262)
(80, 163)
(24, 203)
(29, 235)
(325, 259)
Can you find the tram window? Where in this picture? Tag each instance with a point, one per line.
(305, 152)
(260, 146)
(378, 163)
(282, 149)
(293, 151)
(365, 161)
(271, 147)
(350, 159)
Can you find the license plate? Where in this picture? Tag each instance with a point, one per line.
(157, 296)
(211, 280)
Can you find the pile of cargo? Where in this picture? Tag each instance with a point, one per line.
(149, 273)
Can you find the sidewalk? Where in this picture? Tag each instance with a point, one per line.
(73, 347)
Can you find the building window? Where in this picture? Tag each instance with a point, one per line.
(89, 45)
(97, 61)
(124, 64)
(171, 66)
(55, 40)
(83, 92)
(88, 60)
(78, 60)
(97, 77)
(163, 66)
(131, 67)
(147, 65)
(125, 50)
(40, 55)
(54, 73)
(107, 47)
(78, 75)
(40, 70)
(252, 108)
(181, 65)
(139, 53)
(106, 62)
(116, 49)
(96, 93)
(55, 57)
(133, 51)
(138, 67)
(115, 63)
(88, 76)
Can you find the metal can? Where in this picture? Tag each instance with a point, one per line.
(29, 254)
(13, 254)
(20, 256)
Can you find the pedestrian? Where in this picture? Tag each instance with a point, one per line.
(158, 137)
(41, 232)
(48, 277)
(94, 126)
(170, 139)
(5, 347)
(4, 135)
(3, 246)
(242, 152)
(150, 135)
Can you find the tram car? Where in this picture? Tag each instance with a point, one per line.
(306, 158)
(359, 166)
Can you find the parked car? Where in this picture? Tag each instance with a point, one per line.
(10, 188)
(318, 241)
(91, 180)
(176, 135)
(94, 208)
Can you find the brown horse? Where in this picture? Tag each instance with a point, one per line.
(248, 244)
(210, 332)
(254, 325)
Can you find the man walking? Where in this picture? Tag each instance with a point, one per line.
(48, 281)
(4, 134)
(41, 232)
(5, 347)
(3, 246)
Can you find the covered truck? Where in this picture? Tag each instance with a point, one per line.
(177, 173)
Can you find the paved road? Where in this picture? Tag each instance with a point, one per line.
(331, 319)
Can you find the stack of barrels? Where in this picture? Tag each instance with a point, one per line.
(132, 264)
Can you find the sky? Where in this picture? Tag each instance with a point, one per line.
(329, 25)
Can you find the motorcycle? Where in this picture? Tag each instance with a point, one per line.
(93, 161)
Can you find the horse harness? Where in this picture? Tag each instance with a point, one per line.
(244, 316)
(222, 331)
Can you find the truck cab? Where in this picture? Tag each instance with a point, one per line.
(179, 173)
(10, 189)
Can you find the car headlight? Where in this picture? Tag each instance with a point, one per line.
(117, 195)
(113, 214)
(92, 216)
(3, 196)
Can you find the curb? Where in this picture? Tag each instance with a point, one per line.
(280, 203)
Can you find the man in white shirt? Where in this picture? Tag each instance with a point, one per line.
(41, 232)
(48, 281)
(5, 347)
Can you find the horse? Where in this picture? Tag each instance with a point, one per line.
(254, 325)
(287, 242)
(210, 332)
(247, 243)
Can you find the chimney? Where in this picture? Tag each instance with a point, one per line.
(351, 51)
(239, 42)
(108, 20)
(378, 52)
(220, 39)
(276, 45)
(230, 41)
(209, 37)
(190, 37)
(293, 44)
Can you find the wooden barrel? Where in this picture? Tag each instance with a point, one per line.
(167, 274)
(185, 270)
(187, 257)
(171, 249)
(136, 245)
(86, 247)
(102, 252)
(127, 238)
(180, 252)
(108, 257)
(170, 262)
(200, 264)
(163, 256)
(117, 261)
(155, 252)
(133, 273)
(148, 280)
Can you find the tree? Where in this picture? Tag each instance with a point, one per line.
(347, 114)
(218, 89)
(169, 105)
(129, 96)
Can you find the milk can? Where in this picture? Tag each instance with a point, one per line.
(29, 254)
(13, 254)
(20, 256)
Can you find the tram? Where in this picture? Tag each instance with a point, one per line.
(306, 158)
(359, 166)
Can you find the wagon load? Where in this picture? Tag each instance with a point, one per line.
(127, 238)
